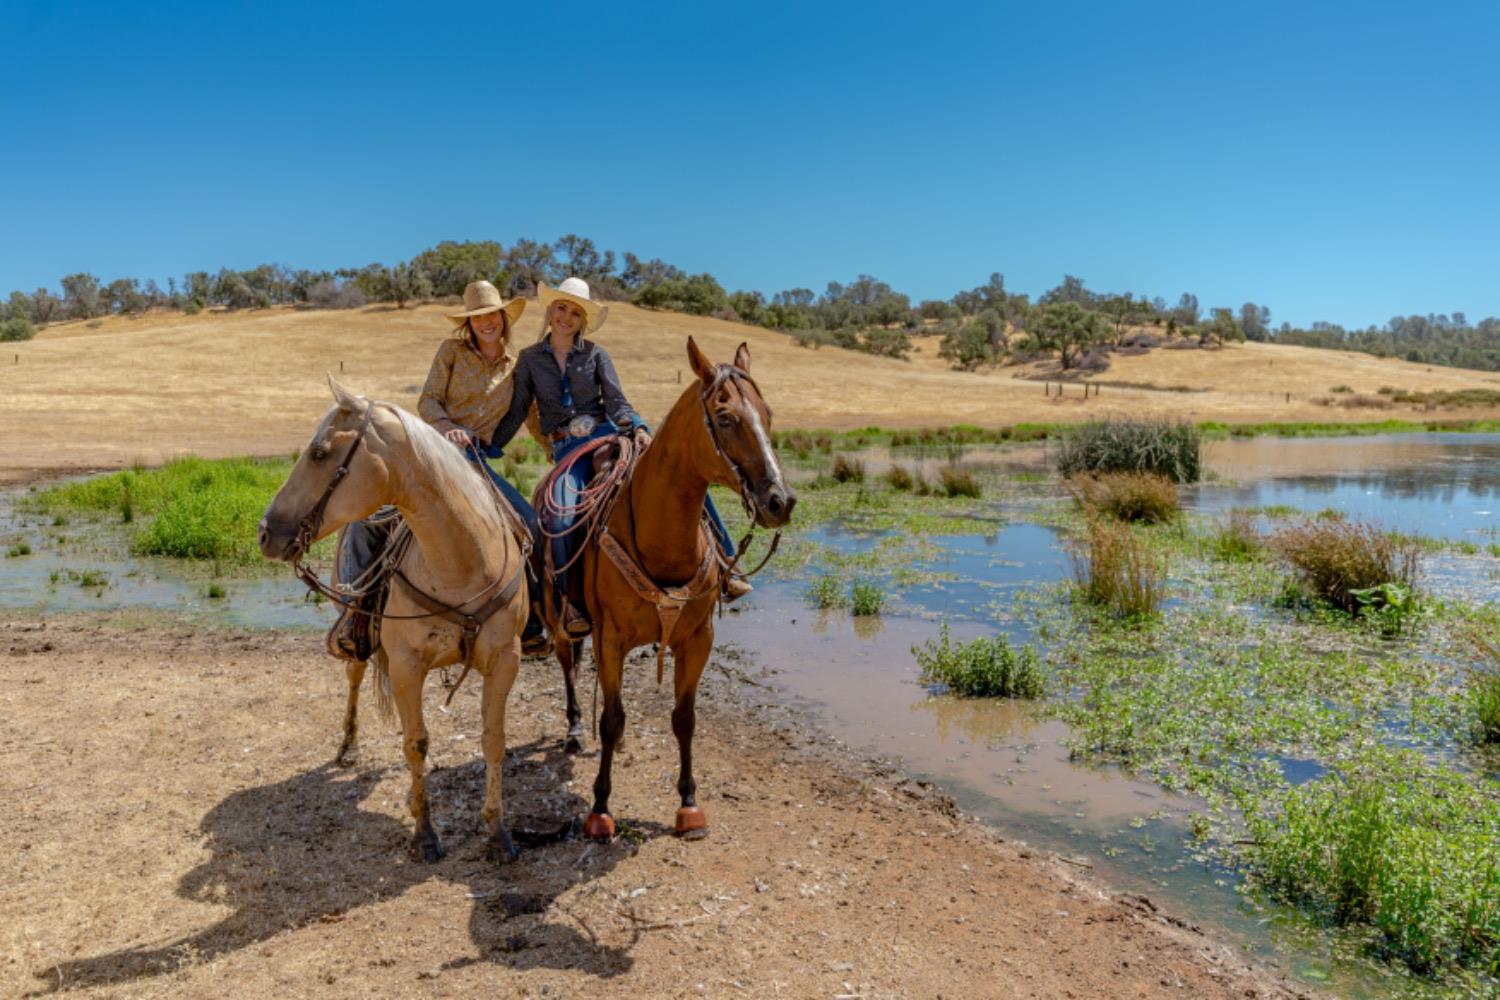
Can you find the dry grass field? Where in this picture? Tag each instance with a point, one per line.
(111, 392)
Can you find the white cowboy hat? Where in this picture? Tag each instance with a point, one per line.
(576, 291)
(481, 297)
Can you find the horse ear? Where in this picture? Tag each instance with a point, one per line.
(702, 367)
(742, 358)
(343, 397)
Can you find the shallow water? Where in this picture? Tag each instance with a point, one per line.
(859, 675)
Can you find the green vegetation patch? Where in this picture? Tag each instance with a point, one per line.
(986, 667)
(1161, 447)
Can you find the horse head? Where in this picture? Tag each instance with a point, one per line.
(338, 478)
(738, 425)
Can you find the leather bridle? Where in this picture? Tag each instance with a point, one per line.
(723, 374)
(312, 521)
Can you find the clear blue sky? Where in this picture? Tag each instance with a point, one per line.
(1334, 161)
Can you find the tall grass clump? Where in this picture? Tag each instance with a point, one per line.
(1350, 565)
(1162, 447)
(899, 477)
(956, 482)
(1116, 572)
(1237, 539)
(1483, 691)
(983, 668)
(827, 592)
(1391, 844)
(1127, 496)
(847, 470)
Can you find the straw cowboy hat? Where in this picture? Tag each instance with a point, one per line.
(576, 291)
(481, 297)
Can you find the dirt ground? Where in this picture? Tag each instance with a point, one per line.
(110, 392)
(174, 828)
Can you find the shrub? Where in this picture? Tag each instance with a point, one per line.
(16, 328)
(1336, 557)
(1117, 573)
(866, 598)
(983, 668)
(17, 550)
(1161, 447)
(1391, 842)
(1237, 539)
(956, 482)
(900, 478)
(847, 470)
(1127, 496)
(1341, 388)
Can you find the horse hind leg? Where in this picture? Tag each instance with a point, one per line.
(569, 654)
(355, 671)
(609, 659)
(406, 682)
(500, 848)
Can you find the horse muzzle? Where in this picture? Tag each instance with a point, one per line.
(278, 542)
(773, 505)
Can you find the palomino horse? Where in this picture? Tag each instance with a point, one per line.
(653, 555)
(459, 594)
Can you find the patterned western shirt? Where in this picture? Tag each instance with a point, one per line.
(464, 390)
(593, 389)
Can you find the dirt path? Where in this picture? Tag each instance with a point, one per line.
(174, 829)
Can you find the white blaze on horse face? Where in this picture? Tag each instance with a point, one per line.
(766, 450)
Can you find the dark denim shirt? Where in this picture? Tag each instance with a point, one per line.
(595, 390)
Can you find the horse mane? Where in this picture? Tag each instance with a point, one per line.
(444, 465)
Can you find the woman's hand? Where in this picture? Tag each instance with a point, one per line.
(459, 437)
(642, 438)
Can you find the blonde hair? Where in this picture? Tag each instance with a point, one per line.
(472, 339)
(547, 323)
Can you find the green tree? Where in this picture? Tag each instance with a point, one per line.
(1124, 311)
(1220, 329)
(450, 266)
(16, 328)
(967, 347)
(81, 297)
(1069, 329)
(750, 307)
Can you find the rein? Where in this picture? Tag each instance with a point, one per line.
(722, 374)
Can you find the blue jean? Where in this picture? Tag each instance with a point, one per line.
(522, 506)
(566, 490)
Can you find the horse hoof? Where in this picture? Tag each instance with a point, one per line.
(347, 756)
(501, 850)
(427, 849)
(691, 823)
(599, 826)
(573, 744)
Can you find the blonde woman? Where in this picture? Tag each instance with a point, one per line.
(578, 398)
(469, 389)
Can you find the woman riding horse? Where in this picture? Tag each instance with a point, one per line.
(578, 398)
(469, 388)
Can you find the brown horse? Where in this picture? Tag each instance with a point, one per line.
(717, 432)
(464, 558)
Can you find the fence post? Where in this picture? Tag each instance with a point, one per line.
(679, 376)
(341, 368)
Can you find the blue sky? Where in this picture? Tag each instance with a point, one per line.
(1333, 161)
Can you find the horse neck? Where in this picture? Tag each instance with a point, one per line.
(667, 491)
(459, 545)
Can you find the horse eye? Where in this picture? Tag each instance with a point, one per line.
(726, 420)
(317, 453)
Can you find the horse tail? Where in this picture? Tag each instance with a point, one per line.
(385, 702)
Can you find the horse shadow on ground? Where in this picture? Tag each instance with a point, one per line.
(304, 851)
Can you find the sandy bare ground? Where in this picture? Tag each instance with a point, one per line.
(84, 396)
(174, 828)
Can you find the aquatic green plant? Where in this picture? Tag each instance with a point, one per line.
(1162, 447)
(18, 549)
(866, 598)
(1483, 690)
(1335, 557)
(1115, 571)
(986, 667)
(1392, 605)
(1237, 539)
(1389, 842)
(216, 591)
(827, 592)
(1126, 496)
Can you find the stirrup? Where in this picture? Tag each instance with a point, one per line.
(735, 588)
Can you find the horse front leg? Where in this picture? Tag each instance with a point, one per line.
(569, 654)
(609, 661)
(355, 671)
(500, 849)
(689, 657)
(407, 674)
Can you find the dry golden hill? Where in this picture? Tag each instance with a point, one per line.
(110, 392)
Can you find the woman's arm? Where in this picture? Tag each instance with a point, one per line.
(616, 406)
(520, 403)
(430, 407)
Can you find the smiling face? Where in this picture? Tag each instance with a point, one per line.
(566, 318)
(487, 326)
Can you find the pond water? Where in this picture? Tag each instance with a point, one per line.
(859, 677)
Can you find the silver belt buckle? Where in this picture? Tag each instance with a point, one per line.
(582, 425)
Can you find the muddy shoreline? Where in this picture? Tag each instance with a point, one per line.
(177, 826)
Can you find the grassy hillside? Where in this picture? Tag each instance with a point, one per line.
(111, 392)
